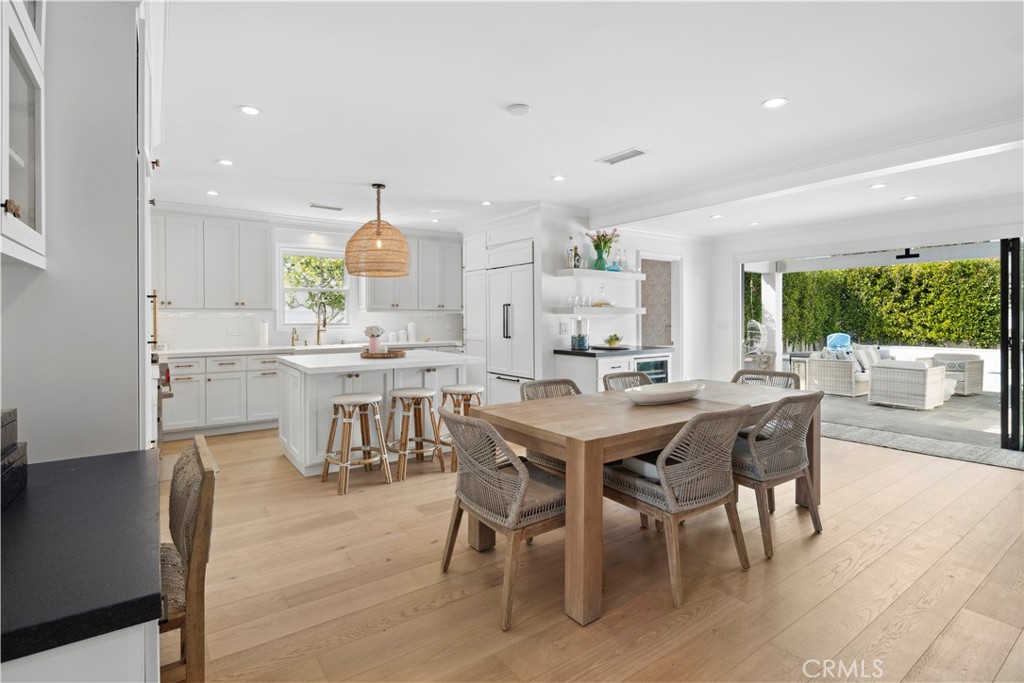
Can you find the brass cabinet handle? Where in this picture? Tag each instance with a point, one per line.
(231, 363)
(185, 365)
(12, 207)
(184, 379)
(243, 303)
(268, 362)
(268, 374)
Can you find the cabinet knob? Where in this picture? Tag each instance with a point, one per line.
(243, 303)
(208, 379)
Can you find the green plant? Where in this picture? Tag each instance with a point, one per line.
(612, 339)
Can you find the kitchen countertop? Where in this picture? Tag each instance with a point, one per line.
(326, 363)
(281, 349)
(619, 351)
(80, 552)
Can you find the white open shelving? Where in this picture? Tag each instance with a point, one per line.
(608, 274)
(600, 310)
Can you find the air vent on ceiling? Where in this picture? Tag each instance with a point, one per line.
(314, 205)
(628, 154)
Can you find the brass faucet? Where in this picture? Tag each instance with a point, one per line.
(295, 337)
(321, 321)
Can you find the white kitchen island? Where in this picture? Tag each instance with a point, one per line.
(307, 384)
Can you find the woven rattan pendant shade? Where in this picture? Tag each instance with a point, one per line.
(378, 249)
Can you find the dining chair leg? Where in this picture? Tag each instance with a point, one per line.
(385, 464)
(195, 647)
(812, 497)
(762, 513)
(771, 499)
(511, 562)
(675, 567)
(737, 533)
(644, 521)
(453, 533)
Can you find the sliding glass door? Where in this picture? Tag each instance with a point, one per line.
(1011, 284)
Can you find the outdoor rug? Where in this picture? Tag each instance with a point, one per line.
(999, 457)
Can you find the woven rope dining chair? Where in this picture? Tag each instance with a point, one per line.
(547, 388)
(694, 475)
(774, 452)
(620, 381)
(768, 378)
(506, 493)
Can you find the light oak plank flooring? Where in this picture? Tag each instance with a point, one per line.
(919, 567)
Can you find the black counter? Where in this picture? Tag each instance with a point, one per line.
(80, 552)
(618, 351)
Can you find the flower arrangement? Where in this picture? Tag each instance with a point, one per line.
(602, 240)
(373, 331)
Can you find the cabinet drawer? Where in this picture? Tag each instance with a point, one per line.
(187, 366)
(607, 365)
(225, 363)
(261, 362)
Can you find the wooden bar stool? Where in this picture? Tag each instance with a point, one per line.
(461, 396)
(348, 406)
(415, 402)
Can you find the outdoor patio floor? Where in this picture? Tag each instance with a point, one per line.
(964, 419)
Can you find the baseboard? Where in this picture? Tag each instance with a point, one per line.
(222, 429)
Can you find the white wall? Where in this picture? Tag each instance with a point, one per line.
(71, 333)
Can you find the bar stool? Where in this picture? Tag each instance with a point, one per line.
(461, 396)
(415, 401)
(348, 406)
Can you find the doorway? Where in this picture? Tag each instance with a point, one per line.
(656, 297)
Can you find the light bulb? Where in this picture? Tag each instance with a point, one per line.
(379, 245)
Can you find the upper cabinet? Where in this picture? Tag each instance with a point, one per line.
(440, 276)
(21, 133)
(396, 293)
(178, 261)
(236, 259)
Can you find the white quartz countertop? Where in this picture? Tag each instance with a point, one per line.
(326, 363)
(311, 349)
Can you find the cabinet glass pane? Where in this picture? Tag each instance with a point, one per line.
(34, 9)
(23, 99)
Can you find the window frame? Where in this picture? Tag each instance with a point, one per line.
(281, 290)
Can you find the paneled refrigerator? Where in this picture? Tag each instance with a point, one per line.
(510, 337)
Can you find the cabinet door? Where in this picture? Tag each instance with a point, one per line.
(406, 289)
(261, 395)
(474, 248)
(430, 275)
(254, 286)
(183, 262)
(521, 320)
(379, 294)
(475, 320)
(157, 258)
(410, 378)
(220, 258)
(502, 389)
(451, 277)
(499, 299)
(225, 398)
(290, 409)
(187, 409)
(446, 376)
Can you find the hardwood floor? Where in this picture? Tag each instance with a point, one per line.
(920, 567)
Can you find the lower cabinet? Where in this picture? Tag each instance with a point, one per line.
(219, 391)
(261, 395)
(502, 389)
(187, 409)
(225, 398)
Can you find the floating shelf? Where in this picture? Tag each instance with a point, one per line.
(610, 274)
(600, 310)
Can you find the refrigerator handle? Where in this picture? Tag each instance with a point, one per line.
(504, 321)
(507, 379)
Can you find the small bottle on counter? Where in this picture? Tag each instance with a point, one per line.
(577, 260)
(570, 255)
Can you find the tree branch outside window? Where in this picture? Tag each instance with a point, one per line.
(308, 281)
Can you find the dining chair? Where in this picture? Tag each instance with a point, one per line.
(768, 378)
(775, 451)
(504, 492)
(547, 388)
(693, 474)
(619, 381)
(183, 562)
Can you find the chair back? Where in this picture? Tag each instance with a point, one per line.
(620, 381)
(191, 513)
(768, 378)
(491, 478)
(695, 468)
(548, 388)
(778, 440)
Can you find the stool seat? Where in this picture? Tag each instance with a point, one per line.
(356, 399)
(413, 392)
(462, 389)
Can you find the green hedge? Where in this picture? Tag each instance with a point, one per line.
(951, 303)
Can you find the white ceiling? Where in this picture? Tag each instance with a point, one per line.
(414, 96)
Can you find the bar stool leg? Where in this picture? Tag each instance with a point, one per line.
(417, 411)
(435, 433)
(346, 445)
(403, 439)
(330, 445)
(384, 464)
(364, 432)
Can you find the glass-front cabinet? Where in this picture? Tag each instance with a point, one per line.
(21, 133)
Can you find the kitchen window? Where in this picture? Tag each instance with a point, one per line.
(309, 278)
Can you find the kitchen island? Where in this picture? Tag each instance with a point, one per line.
(306, 385)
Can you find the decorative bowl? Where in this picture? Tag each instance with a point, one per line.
(655, 394)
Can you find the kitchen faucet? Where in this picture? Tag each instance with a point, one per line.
(321, 321)
(295, 337)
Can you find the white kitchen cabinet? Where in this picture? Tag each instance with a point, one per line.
(289, 400)
(474, 252)
(236, 259)
(396, 293)
(178, 261)
(588, 371)
(187, 408)
(510, 332)
(440, 276)
(373, 381)
(261, 395)
(429, 378)
(474, 323)
(502, 389)
(225, 398)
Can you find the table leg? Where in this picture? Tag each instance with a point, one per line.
(813, 461)
(481, 536)
(584, 541)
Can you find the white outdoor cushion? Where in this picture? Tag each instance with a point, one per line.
(873, 355)
(861, 376)
(863, 359)
(907, 364)
(959, 376)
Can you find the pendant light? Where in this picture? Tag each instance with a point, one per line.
(378, 249)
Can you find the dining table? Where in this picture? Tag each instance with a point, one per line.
(588, 430)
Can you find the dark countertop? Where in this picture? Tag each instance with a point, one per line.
(80, 552)
(618, 351)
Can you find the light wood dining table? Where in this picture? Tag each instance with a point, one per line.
(589, 430)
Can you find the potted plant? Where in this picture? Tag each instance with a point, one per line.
(374, 332)
(612, 339)
(602, 241)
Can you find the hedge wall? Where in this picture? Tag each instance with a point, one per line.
(951, 303)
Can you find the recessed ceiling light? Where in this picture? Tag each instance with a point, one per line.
(212, 193)
(910, 198)
(250, 110)
(877, 186)
(558, 178)
(485, 203)
(775, 103)
(716, 215)
(435, 220)
(518, 109)
(225, 162)
(312, 234)
(755, 223)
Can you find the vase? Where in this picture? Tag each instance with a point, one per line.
(374, 344)
(599, 262)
